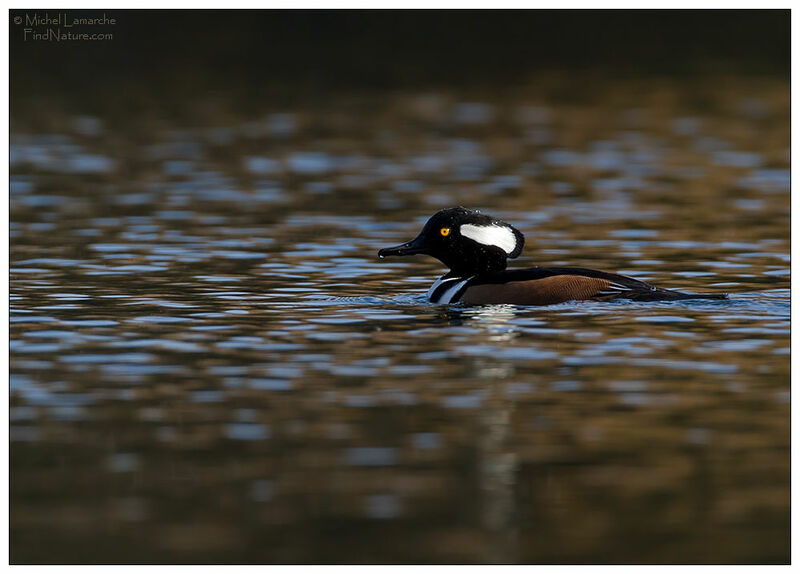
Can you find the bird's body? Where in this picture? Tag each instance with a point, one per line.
(476, 247)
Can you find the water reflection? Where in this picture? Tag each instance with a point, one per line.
(209, 364)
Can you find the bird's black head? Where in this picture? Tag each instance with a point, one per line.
(466, 241)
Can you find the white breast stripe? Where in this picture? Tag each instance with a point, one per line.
(439, 281)
(448, 295)
(496, 235)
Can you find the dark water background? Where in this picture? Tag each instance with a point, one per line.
(210, 364)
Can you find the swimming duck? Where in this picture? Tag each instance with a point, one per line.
(476, 247)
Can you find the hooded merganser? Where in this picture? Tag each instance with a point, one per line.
(476, 246)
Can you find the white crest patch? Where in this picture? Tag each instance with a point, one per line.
(496, 235)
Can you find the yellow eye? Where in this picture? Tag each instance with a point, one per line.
(445, 231)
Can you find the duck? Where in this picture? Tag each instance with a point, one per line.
(476, 248)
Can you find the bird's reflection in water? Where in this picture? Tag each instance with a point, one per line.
(497, 463)
(495, 320)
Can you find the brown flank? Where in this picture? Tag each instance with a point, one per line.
(547, 291)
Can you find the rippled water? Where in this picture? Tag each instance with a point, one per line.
(210, 364)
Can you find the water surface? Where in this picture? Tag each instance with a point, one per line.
(210, 364)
